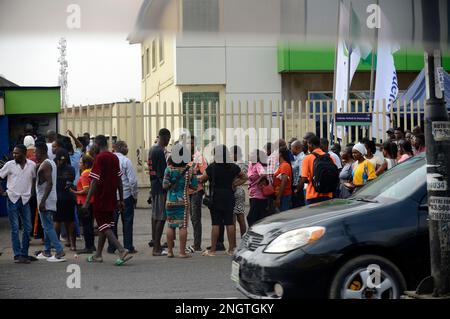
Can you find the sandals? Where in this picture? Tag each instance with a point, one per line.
(207, 253)
(185, 256)
(92, 259)
(170, 255)
(121, 261)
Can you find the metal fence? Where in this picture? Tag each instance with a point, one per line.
(138, 124)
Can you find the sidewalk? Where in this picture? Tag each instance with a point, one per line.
(141, 233)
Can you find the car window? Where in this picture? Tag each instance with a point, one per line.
(397, 183)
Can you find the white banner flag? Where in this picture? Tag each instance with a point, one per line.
(347, 52)
(386, 83)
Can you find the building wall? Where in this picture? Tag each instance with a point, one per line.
(297, 85)
(200, 65)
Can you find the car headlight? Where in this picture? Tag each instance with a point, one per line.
(294, 239)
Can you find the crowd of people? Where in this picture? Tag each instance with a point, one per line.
(55, 189)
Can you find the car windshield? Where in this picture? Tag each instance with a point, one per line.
(397, 183)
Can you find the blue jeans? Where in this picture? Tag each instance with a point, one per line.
(127, 225)
(50, 237)
(285, 203)
(317, 200)
(15, 211)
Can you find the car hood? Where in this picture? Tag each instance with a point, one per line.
(315, 214)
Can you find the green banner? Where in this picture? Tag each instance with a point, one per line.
(32, 100)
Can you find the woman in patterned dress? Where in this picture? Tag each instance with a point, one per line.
(239, 193)
(178, 178)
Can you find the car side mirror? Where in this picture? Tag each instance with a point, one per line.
(423, 207)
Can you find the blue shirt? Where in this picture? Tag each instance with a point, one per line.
(297, 167)
(75, 163)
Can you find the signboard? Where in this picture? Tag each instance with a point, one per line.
(440, 131)
(30, 100)
(353, 119)
(436, 182)
(439, 208)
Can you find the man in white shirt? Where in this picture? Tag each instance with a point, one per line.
(130, 195)
(51, 137)
(273, 162)
(20, 174)
(324, 145)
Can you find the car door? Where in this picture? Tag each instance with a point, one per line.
(423, 240)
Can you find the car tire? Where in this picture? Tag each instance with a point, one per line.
(351, 280)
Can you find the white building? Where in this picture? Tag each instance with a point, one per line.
(186, 59)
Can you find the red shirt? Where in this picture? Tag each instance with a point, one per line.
(106, 171)
(283, 169)
(84, 182)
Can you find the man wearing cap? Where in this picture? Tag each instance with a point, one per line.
(391, 135)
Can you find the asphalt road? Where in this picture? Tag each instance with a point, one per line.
(144, 276)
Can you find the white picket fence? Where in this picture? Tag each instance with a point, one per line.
(138, 124)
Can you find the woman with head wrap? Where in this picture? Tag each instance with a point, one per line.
(28, 141)
(363, 170)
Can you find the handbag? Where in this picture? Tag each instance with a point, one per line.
(268, 190)
(208, 199)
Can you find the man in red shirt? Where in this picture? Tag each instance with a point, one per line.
(106, 181)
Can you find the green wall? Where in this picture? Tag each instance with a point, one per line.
(294, 59)
(32, 100)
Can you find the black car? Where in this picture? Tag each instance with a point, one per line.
(373, 245)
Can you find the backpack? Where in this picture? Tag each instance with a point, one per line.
(325, 174)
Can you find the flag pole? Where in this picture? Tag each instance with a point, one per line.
(350, 50)
(372, 70)
(335, 66)
(372, 73)
(335, 51)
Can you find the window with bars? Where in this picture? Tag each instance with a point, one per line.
(143, 66)
(201, 15)
(161, 49)
(153, 54)
(194, 123)
(147, 65)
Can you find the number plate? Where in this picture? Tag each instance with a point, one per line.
(235, 271)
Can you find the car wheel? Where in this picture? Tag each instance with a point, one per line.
(368, 277)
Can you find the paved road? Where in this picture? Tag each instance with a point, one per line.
(144, 277)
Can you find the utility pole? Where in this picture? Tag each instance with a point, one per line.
(437, 136)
